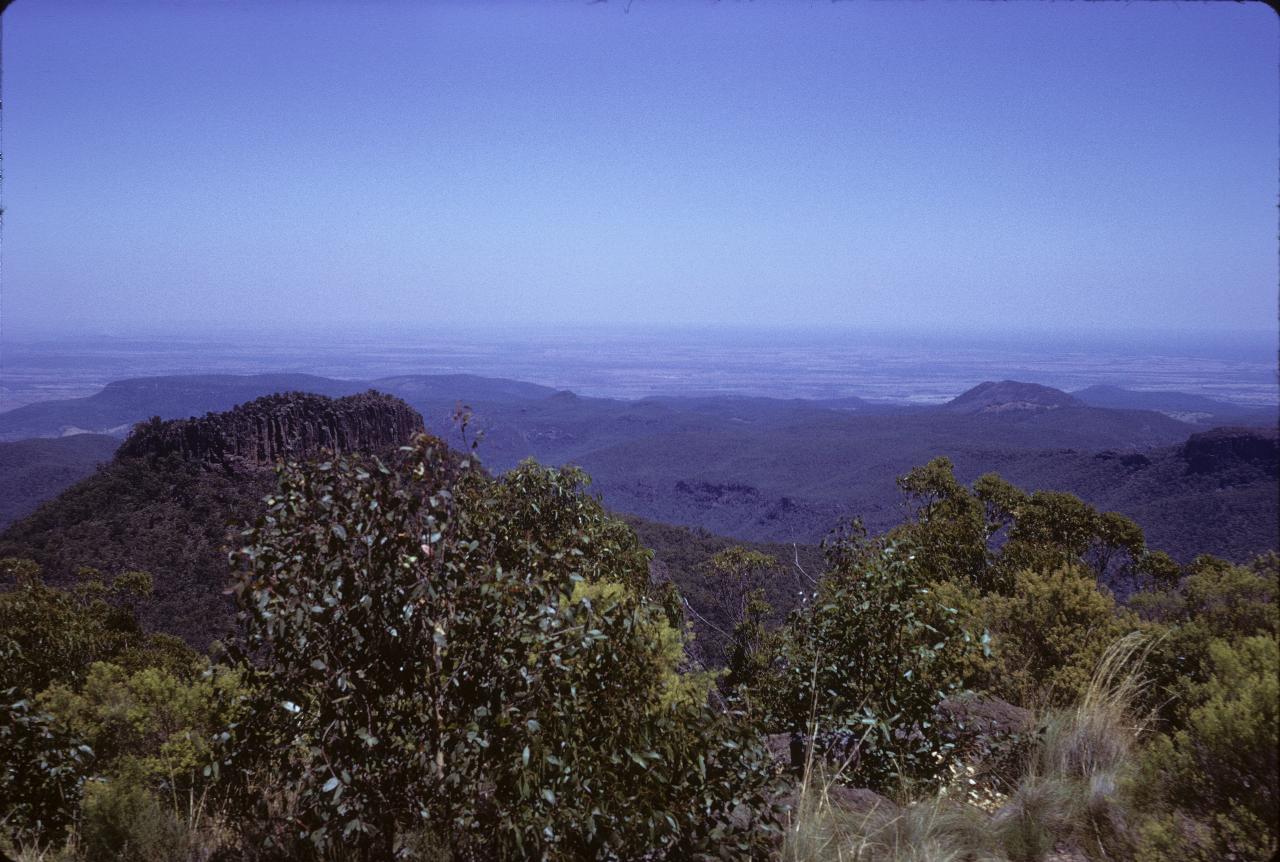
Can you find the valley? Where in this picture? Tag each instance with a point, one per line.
(748, 468)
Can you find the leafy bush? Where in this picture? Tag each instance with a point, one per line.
(1221, 769)
(124, 821)
(58, 633)
(862, 667)
(950, 529)
(740, 575)
(436, 651)
(148, 727)
(1216, 602)
(1048, 634)
(1233, 601)
(42, 771)
(983, 536)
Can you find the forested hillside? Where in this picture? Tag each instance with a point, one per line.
(32, 471)
(176, 493)
(430, 661)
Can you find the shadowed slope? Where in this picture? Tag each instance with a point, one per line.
(170, 500)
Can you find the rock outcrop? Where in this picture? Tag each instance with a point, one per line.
(1225, 449)
(289, 425)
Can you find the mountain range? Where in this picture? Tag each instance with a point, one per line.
(758, 469)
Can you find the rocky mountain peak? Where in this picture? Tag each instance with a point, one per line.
(256, 434)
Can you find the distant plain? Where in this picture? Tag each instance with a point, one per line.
(902, 367)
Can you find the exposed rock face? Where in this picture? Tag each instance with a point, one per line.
(1227, 448)
(707, 493)
(1132, 460)
(1010, 395)
(285, 426)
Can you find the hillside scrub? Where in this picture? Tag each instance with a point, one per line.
(436, 651)
(860, 669)
(435, 663)
(1068, 794)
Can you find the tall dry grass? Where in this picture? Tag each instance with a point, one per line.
(1068, 800)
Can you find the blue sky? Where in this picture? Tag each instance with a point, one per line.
(965, 166)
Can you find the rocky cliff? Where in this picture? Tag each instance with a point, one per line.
(290, 425)
(1227, 448)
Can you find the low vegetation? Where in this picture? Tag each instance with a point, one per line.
(434, 663)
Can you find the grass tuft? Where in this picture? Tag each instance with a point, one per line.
(1067, 799)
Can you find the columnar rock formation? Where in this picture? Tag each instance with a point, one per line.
(285, 426)
(1227, 448)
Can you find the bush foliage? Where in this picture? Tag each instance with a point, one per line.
(481, 659)
(862, 667)
(436, 663)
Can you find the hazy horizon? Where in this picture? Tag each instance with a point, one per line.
(1255, 342)
(641, 361)
(1089, 169)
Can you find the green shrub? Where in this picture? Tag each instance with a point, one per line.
(1159, 571)
(983, 536)
(1234, 728)
(58, 633)
(1158, 606)
(976, 667)
(863, 665)
(739, 575)
(1232, 601)
(436, 652)
(51, 636)
(1208, 783)
(1223, 765)
(949, 529)
(1048, 634)
(124, 821)
(1171, 836)
(1217, 602)
(149, 726)
(42, 771)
